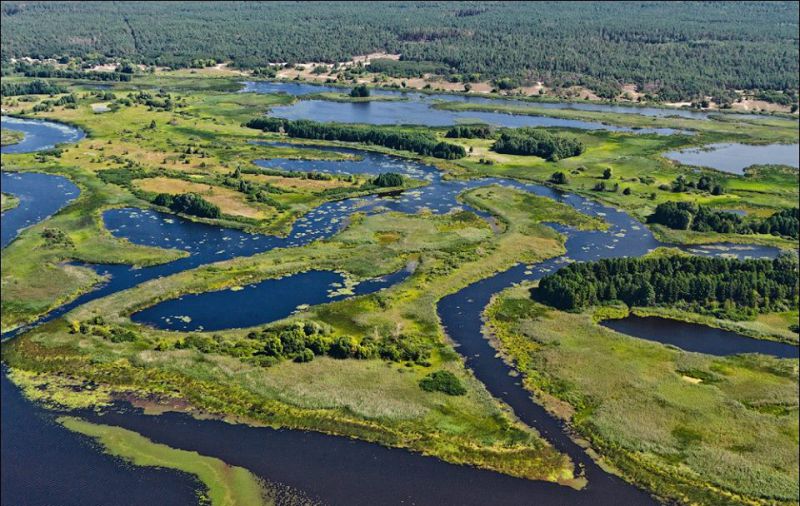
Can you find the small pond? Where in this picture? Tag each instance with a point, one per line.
(264, 302)
(698, 338)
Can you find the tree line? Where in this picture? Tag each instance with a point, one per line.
(49, 71)
(36, 87)
(670, 50)
(535, 142)
(690, 216)
(735, 288)
(302, 341)
(418, 142)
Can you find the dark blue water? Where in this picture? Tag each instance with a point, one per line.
(42, 462)
(39, 134)
(734, 158)
(416, 110)
(698, 338)
(40, 196)
(256, 304)
(45, 464)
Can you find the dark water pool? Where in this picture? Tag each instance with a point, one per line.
(698, 338)
(45, 464)
(256, 304)
(40, 196)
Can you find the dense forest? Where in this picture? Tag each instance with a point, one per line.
(736, 288)
(534, 142)
(673, 49)
(690, 216)
(390, 137)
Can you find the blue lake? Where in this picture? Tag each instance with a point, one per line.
(734, 158)
(415, 110)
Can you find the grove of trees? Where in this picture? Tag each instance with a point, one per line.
(690, 216)
(188, 203)
(735, 288)
(534, 142)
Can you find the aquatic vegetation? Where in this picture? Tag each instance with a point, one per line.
(224, 485)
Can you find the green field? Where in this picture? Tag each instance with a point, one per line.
(8, 137)
(690, 426)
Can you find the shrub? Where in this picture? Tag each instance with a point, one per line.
(360, 91)
(442, 381)
(559, 178)
(388, 179)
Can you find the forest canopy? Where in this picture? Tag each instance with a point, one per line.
(535, 142)
(675, 50)
(734, 288)
(690, 216)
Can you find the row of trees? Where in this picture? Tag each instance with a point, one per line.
(50, 71)
(704, 183)
(394, 138)
(672, 50)
(35, 87)
(735, 287)
(690, 216)
(534, 142)
(301, 341)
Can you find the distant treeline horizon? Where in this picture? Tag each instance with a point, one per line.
(669, 50)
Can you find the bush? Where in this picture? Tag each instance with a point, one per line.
(388, 179)
(442, 381)
(559, 178)
(360, 91)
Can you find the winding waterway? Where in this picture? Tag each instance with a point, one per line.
(417, 109)
(331, 469)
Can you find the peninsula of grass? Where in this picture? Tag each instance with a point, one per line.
(8, 201)
(224, 485)
(9, 137)
(690, 427)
